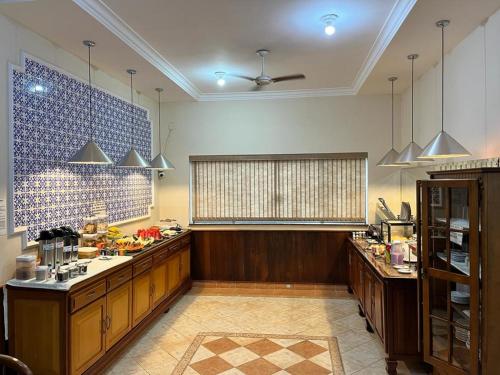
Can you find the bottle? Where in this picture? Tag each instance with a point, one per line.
(387, 253)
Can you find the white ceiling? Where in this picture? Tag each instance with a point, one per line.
(179, 44)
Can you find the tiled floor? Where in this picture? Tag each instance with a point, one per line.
(163, 346)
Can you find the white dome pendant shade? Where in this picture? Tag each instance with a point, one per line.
(411, 152)
(160, 162)
(133, 159)
(443, 145)
(389, 159)
(90, 153)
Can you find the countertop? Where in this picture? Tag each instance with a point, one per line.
(278, 227)
(95, 267)
(383, 269)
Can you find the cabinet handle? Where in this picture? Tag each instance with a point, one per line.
(90, 294)
(103, 326)
(108, 322)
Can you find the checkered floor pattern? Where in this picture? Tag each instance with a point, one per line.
(253, 354)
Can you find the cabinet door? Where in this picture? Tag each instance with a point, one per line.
(141, 297)
(450, 274)
(119, 313)
(87, 336)
(378, 307)
(360, 269)
(174, 264)
(185, 264)
(159, 278)
(368, 293)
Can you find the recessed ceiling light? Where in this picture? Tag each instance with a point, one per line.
(328, 20)
(220, 78)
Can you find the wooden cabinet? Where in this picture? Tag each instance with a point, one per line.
(159, 275)
(141, 297)
(368, 293)
(389, 302)
(119, 313)
(185, 263)
(459, 237)
(173, 272)
(87, 336)
(378, 307)
(83, 329)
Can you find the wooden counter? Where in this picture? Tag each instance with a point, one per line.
(388, 300)
(270, 256)
(83, 329)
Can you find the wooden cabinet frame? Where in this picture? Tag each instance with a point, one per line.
(447, 276)
(389, 305)
(57, 310)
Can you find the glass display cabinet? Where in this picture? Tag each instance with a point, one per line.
(458, 241)
(450, 274)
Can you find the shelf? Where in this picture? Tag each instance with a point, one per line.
(457, 265)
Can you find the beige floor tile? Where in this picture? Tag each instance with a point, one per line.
(163, 345)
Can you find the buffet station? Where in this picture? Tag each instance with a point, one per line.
(78, 303)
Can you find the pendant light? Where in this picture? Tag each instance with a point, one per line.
(411, 153)
(133, 159)
(443, 145)
(160, 161)
(389, 159)
(90, 153)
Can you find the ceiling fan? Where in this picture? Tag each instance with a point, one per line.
(263, 79)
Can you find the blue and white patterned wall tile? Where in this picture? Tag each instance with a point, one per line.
(50, 123)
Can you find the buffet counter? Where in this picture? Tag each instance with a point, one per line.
(388, 300)
(80, 328)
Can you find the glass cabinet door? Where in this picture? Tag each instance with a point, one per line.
(449, 236)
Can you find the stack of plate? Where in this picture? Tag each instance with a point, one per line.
(458, 256)
(462, 298)
(461, 334)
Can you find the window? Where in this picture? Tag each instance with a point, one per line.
(269, 189)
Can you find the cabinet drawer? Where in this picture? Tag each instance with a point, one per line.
(142, 266)
(174, 247)
(160, 257)
(185, 241)
(119, 278)
(88, 295)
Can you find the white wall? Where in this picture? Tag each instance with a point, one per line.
(14, 39)
(472, 99)
(333, 124)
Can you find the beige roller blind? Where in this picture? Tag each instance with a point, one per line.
(313, 188)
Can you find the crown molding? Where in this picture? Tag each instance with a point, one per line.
(396, 17)
(285, 94)
(114, 23)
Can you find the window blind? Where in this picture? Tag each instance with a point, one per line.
(313, 188)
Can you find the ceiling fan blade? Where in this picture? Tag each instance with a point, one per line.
(289, 77)
(243, 77)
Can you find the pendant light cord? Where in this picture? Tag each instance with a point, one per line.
(90, 102)
(392, 112)
(132, 109)
(412, 61)
(442, 78)
(159, 122)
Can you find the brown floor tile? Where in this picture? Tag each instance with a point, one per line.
(307, 368)
(307, 349)
(263, 347)
(259, 367)
(211, 366)
(221, 345)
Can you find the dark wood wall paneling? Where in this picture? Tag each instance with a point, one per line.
(270, 256)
